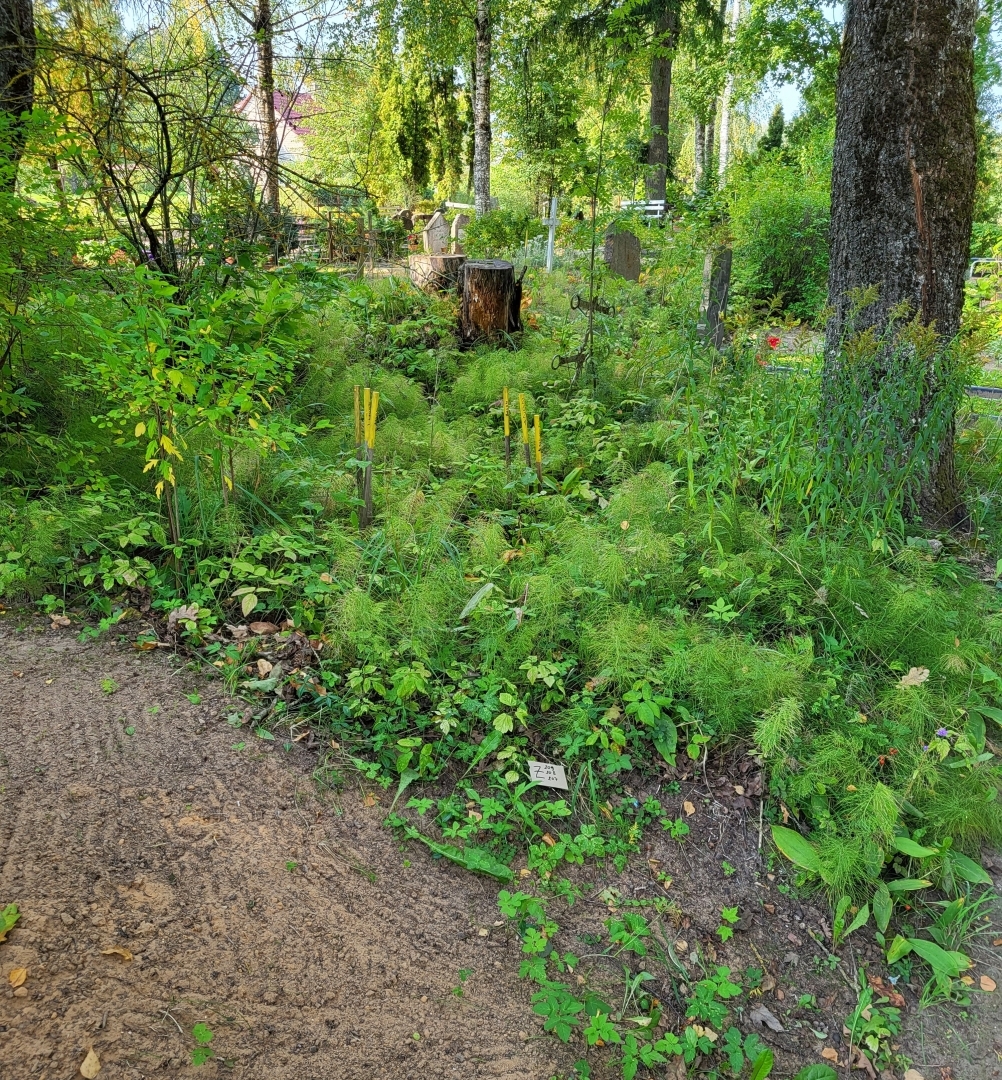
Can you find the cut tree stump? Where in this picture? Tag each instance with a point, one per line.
(492, 300)
(436, 273)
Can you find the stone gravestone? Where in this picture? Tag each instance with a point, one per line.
(622, 254)
(436, 235)
(459, 223)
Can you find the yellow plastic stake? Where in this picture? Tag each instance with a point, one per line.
(507, 427)
(365, 415)
(372, 419)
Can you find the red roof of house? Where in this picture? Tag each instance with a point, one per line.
(292, 109)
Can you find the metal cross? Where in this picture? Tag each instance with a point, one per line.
(551, 223)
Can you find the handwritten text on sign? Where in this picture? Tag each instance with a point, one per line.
(548, 775)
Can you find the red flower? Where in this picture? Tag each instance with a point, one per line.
(772, 341)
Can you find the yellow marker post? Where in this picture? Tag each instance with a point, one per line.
(371, 408)
(539, 450)
(507, 426)
(374, 408)
(525, 431)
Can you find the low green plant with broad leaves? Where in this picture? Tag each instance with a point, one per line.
(202, 1052)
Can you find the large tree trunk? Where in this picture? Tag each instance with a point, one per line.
(17, 80)
(482, 109)
(665, 43)
(264, 33)
(902, 200)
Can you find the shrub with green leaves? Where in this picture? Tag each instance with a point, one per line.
(779, 219)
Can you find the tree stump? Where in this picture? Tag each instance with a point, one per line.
(492, 299)
(436, 273)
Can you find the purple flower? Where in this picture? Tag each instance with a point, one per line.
(942, 733)
(925, 748)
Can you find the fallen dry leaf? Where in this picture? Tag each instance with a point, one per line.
(967, 980)
(58, 620)
(888, 991)
(511, 553)
(830, 1054)
(768, 983)
(117, 950)
(263, 668)
(370, 799)
(916, 677)
(861, 1061)
(760, 1016)
(688, 808)
(91, 1065)
(705, 1032)
(987, 984)
(262, 628)
(913, 1074)
(997, 941)
(17, 976)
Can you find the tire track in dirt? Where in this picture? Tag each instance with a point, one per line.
(171, 845)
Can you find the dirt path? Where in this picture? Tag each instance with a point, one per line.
(296, 927)
(173, 846)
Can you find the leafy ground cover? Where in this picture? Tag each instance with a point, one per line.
(682, 589)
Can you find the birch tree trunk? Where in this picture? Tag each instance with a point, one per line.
(17, 79)
(482, 109)
(709, 145)
(264, 35)
(698, 153)
(665, 43)
(725, 104)
(903, 185)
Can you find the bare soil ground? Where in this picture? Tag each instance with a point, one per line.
(293, 924)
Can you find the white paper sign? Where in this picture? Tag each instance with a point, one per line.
(548, 775)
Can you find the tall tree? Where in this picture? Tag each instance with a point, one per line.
(667, 26)
(17, 79)
(725, 101)
(903, 188)
(264, 39)
(482, 107)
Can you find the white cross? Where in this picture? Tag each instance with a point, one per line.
(551, 222)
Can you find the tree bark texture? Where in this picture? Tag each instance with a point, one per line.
(482, 109)
(716, 289)
(709, 145)
(264, 33)
(17, 78)
(491, 303)
(903, 185)
(436, 273)
(725, 101)
(665, 43)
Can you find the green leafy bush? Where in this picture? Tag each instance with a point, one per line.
(780, 218)
(500, 231)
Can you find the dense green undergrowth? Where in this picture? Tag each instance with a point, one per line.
(683, 582)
